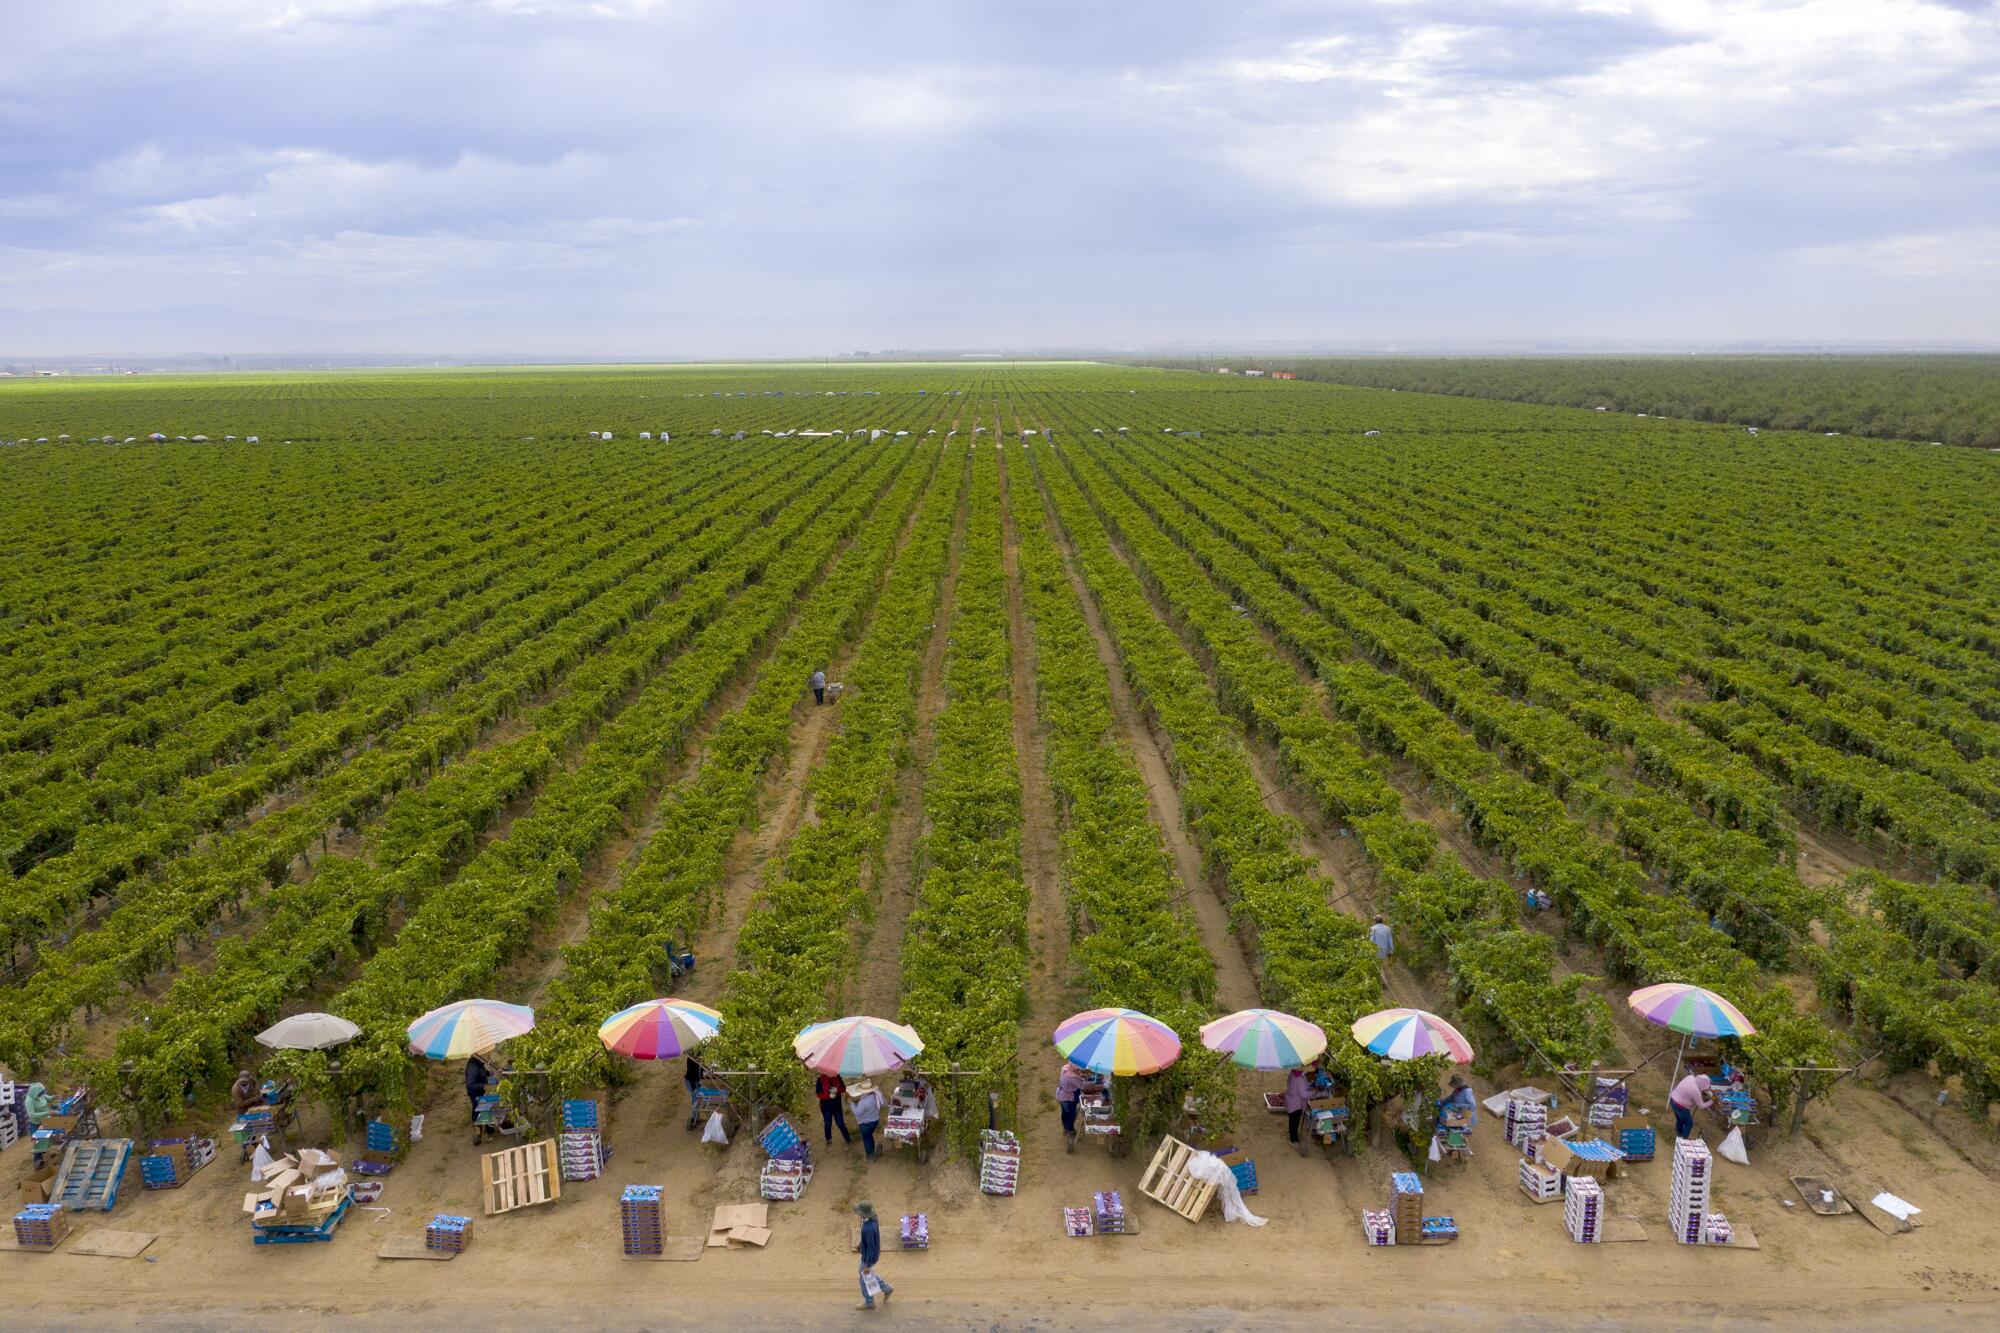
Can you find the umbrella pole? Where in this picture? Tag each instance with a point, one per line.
(1675, 1081)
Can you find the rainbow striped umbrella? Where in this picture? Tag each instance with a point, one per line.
(1690, 1010)
(659, 1029)
(857, 1047)
(1117, 1041)
(468, 1027)
(1265, 1039)
(1409, 1034)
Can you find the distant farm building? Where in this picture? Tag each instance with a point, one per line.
(1284, 374)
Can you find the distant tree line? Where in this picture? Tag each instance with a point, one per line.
(1954, 399)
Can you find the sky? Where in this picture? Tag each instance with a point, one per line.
(678, 178)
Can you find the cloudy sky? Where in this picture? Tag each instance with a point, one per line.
(678, 177)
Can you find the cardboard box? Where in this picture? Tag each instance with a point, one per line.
(1557, 1154)
(35, 1187)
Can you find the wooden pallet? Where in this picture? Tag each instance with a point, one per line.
(90, 1173)
(521, 1177)
(1167, 1181)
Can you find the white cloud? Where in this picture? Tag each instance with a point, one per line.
(1917, 255)
(1410, 116)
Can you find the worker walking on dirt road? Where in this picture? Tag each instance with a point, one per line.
(1385, 942)
(872, 1284)
(818, 683)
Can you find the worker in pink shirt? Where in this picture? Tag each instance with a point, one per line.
(1688, 1096)
(1298, 1095)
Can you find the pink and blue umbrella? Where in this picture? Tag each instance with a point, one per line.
(857, 1046)
(1690, 1010)
(1265, 1039)
(1411, 1034)
(467, 1027)
(659, 1029)
(1117, 1041)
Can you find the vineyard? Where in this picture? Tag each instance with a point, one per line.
(1158, 688)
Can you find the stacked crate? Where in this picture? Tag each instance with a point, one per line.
(999, 1161)
(1608, 1100)
(1378, 1225)
(1526, 1122)
(1715, 1230)
(1109, 1211)
(448, 1232)
(784, 1181)
(1541, 1183)
(581, 1145)
(1637, 1142)
(1692, 1169)
(40, 1226)
(13, 1112)
(915, 1232)
(1406, 1206)
(1583, 1210)
(169, 1162)
(642, 1220)
(379, 1150)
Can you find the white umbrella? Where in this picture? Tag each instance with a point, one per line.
(308, 1032)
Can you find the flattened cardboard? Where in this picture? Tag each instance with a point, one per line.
(109, 1244)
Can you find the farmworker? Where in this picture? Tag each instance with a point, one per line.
(692, 1075)
(830, 1088)
(1069, 1090)
(1298, 1091)
(871, 1254)
(867, 1114)
(1689, 1095)
(243, 1095)
(38, 1105)
(477, 1075)
(1385, 943)
(1458, 1099)
(818, 683)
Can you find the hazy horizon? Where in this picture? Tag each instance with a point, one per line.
(663, 180)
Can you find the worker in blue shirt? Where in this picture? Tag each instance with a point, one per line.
(1458, 1099)
(871, 1253)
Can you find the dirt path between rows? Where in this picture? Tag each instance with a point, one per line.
(1051, 998)
(1235, 984)
(875, 986)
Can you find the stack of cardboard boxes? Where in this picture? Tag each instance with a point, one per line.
(299, 1190)
(1406, 1206)
(1692, 1168)
(1583, 1211)
(169, 1162)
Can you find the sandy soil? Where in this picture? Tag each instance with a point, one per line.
(1004, 1263)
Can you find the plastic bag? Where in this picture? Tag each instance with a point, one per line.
(260, 1161)
(416, 1129)
(871, 1285)
(1206, 1166)
(1437, 1153)
(713, 1132)
(1732, 1147)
